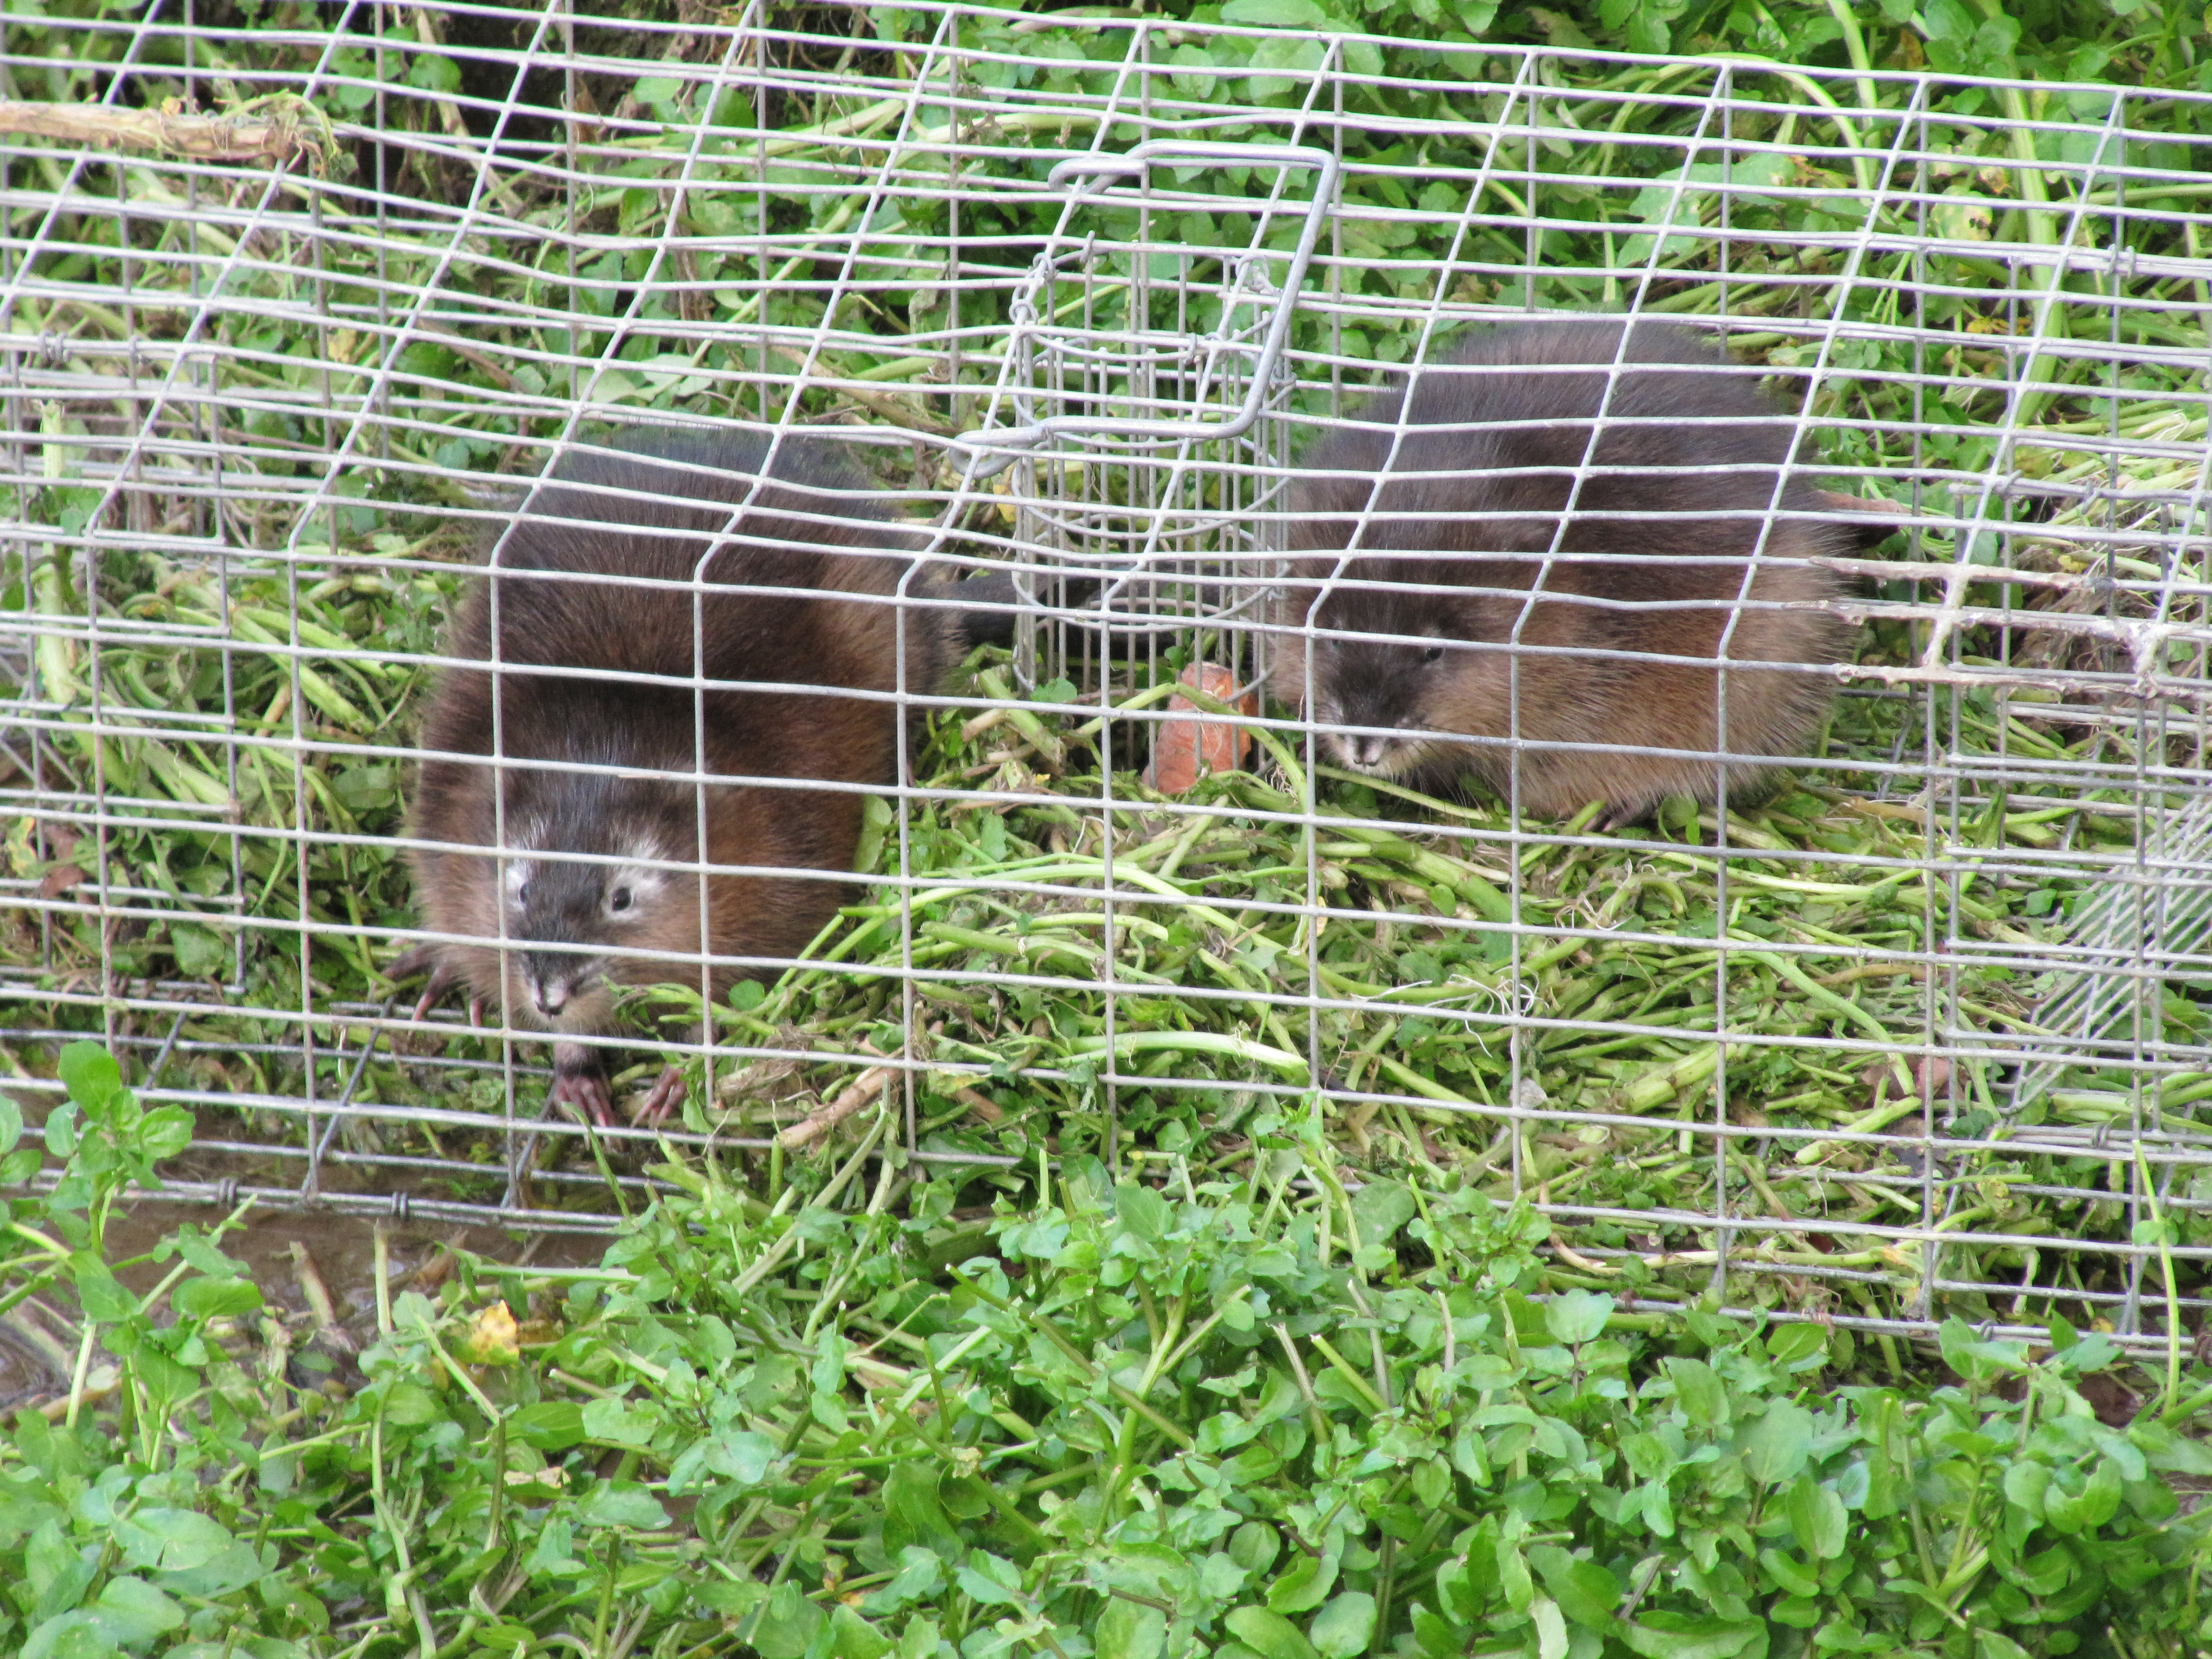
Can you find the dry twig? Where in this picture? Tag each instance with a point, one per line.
(864, 1088)
(272, 134)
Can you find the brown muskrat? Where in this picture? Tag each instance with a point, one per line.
(572, 894)
(1468, 498)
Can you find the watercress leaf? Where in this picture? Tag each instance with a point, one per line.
(1513, 1577)
(982, 1577)
(1585, 1590)
(1275, 13)
(409, 1406)
(132, 1612)
(731, 1600)
(1788, 1574)
(2025, 1483)
(1305, 1586)
(1254, 1545)
(1799, 1344)
(620, 1422)
(2100, 1497)
(1575, 1317)
(1816, 1516)
(1799, 1611)
(742, 1456)
(2046, 1572)
(621, 1503)
(1431, 1483)
(786, 1627)
(1975, 1359)
(1268, 1634)
(55, 1569)
(98, 1293)
(2168, 1452)
(75, 1635)
(1777, 1444)
(1698, 1390)
(1142, 1211)
(2092, 1353)
(1380, 1208)
(90, 1074)
(852, 1637)
(911, 1511)
(920, 1573)
(1130, 1629)
(1677, 1636)
(200, 1253)
(165, 1540)
(1344, 1627)
(165, 1132)
(216, 1298)
(549, 1425)
(1551, 1630)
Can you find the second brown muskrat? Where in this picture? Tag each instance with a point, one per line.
(1533, 634)
(555, 880)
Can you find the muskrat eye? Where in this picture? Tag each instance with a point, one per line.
(522, 896)
(1434, 654)
(619, 899)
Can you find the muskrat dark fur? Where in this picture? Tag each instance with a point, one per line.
(572, 875)
(1470, 501)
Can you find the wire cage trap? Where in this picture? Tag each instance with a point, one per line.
(1921, 1033)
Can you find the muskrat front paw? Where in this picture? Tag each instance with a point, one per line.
(668, 1095)
(423, 959)
(585, 1091)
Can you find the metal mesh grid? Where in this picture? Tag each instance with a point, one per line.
(246, 407)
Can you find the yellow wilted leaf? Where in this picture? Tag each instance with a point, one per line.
(493, 1338)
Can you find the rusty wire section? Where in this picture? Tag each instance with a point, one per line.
(1926, 1035)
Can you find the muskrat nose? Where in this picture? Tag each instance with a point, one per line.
(549, 993)
(1369, 750)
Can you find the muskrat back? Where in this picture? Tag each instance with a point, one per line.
(564, 851)
(1517, 608)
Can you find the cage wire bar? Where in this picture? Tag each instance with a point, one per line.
(1926, 1035)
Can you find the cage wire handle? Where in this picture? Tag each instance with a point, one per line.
(994, 452)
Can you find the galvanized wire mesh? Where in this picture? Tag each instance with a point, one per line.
(1924, 1038)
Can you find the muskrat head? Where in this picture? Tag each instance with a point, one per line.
(583, 887)
(1391, 667)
